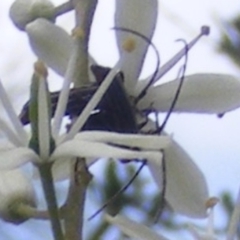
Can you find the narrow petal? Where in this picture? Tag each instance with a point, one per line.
(150, 142)
(44, 120)
(9, 133)
(21, 134)
(16, 157)
(63, 97)
(50, 43)
(140, 16)
(201, 93)
(78, 148)
(186, 189)
(133, 229)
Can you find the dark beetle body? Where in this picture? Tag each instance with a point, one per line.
(113, 113)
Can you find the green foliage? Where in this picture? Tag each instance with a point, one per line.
(230, 40)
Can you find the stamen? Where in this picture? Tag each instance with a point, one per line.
(211, 202)
(129, 45)
(205, 30)
(40, 69)
(144, 91)
(78, 33)
(63, 8)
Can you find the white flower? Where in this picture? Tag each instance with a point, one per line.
(186, 189)
(23, 12)
(84, 144)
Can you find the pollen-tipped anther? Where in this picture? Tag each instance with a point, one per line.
(129, 45)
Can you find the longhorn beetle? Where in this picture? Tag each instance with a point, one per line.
(113, 113)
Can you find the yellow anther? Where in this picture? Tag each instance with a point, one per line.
(129, 44)
(40, 69)
(78, 33)
(211, 202)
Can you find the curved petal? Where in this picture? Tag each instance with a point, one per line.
(201, 93)
(186, 189)
(77, 148)
(16, 157)
(50, 43)
(151, 142)
(133, 229)
(140, 16)
(23, 12)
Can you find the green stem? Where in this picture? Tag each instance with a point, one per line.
(49, 192)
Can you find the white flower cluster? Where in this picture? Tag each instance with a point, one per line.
(186, 189)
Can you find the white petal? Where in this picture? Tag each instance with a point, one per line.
(50, 43)
(201, 93)
(16, 157)
(10, 134)
(23, 12)
(186, 189)
(141, 16)
(151, 142)
(78, 148)
(21, 134)
(134, 229)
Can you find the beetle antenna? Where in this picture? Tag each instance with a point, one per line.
(120, 191)
(181, 77)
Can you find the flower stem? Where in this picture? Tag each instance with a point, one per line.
(49, 192)
(63, 8)
(232, 229)
(74, 208)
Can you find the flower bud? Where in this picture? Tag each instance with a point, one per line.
(23, 12)
(15, 191)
